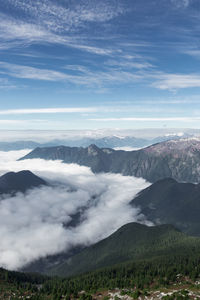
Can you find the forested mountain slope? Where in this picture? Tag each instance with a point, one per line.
(132, 242)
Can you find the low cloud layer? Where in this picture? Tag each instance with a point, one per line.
(31, 224)
(127, 148)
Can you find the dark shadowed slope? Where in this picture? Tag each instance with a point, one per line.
(176, 159)
(131, 242)
(168, 201)
(19, 182)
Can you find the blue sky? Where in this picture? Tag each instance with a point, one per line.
(91, 64)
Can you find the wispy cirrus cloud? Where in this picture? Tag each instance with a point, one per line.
(28, 72)
(194, 52)
(177, 81)
(127, 64)
(47, 22)
(5, 84)
(111, 74)
(68, 16)
(18, 34)
(181, 3)
(82, 76)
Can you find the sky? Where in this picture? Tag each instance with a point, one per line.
(90, 64)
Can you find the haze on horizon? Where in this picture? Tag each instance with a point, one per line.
(92, 64)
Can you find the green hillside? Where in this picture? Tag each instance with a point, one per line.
(142, 260)
(132, 242)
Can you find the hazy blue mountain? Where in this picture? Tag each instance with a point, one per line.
(19, 182)
(132, 242)
(104, 142)
(110, 141)
(18, 145)
(114, 141)
(176, 159)
(171, 137)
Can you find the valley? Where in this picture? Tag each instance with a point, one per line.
(139, 260)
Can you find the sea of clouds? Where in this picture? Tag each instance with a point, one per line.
(34, 225)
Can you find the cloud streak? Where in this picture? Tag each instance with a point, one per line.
(28, 72)
(31, 224)
(177, 81)
(148, 119)
(46, 111)
(82, 76)
(12, 122)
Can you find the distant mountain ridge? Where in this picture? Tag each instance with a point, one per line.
(110, 141)
(19, 182)
(176, 159)
(132, 242)
(104, 142)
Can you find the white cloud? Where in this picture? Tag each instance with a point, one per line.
(31, 225)
(12, 122)
(192, 52)
(177, 81)
(181, 3)
(126, 148)
(12, 156)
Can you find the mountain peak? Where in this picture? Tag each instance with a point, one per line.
(178, 159)
(93, 150)
(93, 146)
(19, 181)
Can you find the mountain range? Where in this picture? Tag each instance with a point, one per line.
(104, 142)
(179, 160)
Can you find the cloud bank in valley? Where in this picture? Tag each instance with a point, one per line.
(31, 224)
